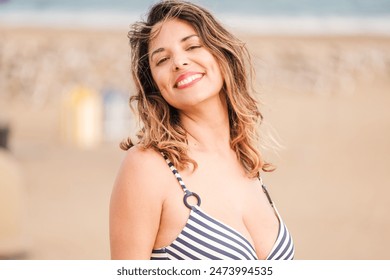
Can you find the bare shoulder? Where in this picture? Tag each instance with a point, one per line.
(136, 204)
(139, 153)
(142, 168)
(141, 158)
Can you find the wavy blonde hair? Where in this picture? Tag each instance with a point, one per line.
(162, 130)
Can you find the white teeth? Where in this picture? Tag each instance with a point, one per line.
(189, 79)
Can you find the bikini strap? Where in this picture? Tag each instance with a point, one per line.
(266, 191)
(187, 193)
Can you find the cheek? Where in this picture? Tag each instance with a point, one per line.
(219, 73)
(213, 62)
(161, 78)
(162, 83)
(157, 79)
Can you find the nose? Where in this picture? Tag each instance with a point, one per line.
(180, 62)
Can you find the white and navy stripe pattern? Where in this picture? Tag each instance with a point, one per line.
(283, 248)
(205, 238)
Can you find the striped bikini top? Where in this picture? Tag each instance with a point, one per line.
(206, 238)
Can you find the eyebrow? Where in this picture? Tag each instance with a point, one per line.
(181, 41)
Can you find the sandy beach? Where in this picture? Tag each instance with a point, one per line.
(324, 98)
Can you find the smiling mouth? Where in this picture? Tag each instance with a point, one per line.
(188, 81)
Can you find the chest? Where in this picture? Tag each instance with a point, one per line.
(227, 195)
(223, 186)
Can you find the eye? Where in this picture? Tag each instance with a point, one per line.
(162, 60)
(193, 47)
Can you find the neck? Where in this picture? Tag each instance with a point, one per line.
(208, 128)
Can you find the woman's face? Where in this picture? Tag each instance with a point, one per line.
(185, 71)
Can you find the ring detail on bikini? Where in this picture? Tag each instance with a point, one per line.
(189, 194)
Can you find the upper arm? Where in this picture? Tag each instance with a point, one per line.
(136, 205)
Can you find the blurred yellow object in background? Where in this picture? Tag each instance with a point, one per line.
(81, 118)
(12, 207)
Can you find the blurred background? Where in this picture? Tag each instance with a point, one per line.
(323, 75)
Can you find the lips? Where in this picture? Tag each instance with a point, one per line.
(188, 79)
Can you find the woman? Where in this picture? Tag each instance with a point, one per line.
(190, 187)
